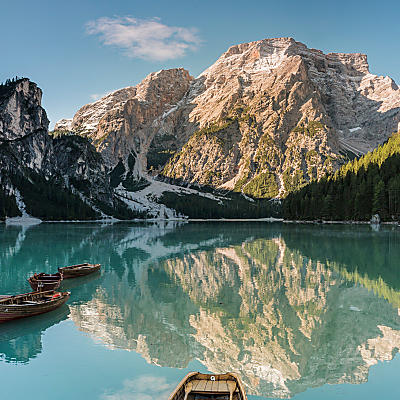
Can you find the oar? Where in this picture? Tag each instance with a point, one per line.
(188, 389)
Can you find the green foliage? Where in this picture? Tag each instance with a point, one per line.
(60, 133)
(213, 127)
(359, 189)
(243, 180)
(195, 206)
(293, 181)
(311, 155)
(8, 86)
(263, 186)
(8, 205)
(310, 129)
(365, 258)
(157, 158)
(50, 200)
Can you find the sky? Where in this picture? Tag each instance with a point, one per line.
(79, 50)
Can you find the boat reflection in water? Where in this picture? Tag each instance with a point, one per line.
(21, 341)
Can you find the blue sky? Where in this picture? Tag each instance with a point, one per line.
(81, 49)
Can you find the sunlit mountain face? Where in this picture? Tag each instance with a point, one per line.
(287, 308)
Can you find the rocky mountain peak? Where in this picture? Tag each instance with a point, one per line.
(268, 54)
(21, 112)
(160, 82)
(87, 117)
(157, 87)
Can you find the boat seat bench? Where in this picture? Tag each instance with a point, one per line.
(211, 387)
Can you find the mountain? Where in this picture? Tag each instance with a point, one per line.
(264, 119)
(43, 176)
(125, 121)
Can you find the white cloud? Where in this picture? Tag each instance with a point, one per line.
(146, 39)
(98, 96)
(144, 387)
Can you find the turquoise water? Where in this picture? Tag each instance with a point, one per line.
(302, 311)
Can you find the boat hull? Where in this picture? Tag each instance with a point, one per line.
(9, 312)
(45, 282)
(75, 271)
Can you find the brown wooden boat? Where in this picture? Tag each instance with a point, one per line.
(74, 271)
(197, 386)
(29, 304)
(43, 282)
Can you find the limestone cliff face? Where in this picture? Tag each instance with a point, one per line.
(81, 167)
(266, 117)
(23, 127)
(126, 121)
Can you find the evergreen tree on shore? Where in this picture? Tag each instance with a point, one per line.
(363, 187)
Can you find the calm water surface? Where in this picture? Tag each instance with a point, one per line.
(300, 311)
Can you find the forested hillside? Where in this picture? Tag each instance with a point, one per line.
(359, 189)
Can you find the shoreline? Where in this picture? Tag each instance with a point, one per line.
(15, 221)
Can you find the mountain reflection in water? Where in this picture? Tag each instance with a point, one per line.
(287, 307)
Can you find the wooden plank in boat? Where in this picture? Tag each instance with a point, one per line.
(218, 386)
(200, 387)
(223, 387)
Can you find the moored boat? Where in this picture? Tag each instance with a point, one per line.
(30, 304)
(44, 282)
(74, 271)
(205, 386)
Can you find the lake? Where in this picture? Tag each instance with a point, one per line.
(298, 311)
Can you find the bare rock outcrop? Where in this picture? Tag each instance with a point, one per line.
(23, 126)
(125, 120)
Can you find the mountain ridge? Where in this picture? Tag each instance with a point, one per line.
(273, 88)
(264, 120)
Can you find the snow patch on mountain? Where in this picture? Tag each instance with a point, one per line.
(25, 218)
(146, 200)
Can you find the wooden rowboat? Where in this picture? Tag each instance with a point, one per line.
(197, 386)
(43, 282)
(29, 304)
(74, 271)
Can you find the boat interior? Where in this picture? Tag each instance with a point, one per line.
(85, 265)
(203, 396)
(46, 278)
(204, 387)
(28, 299)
